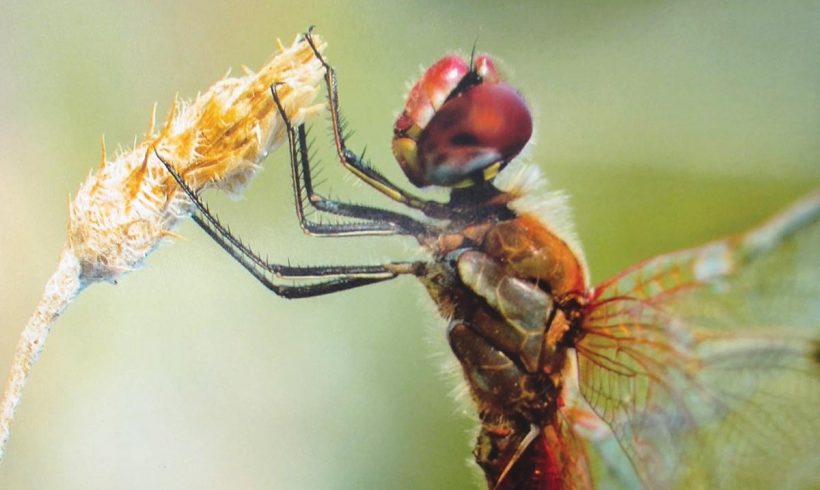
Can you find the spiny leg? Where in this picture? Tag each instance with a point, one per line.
(292, 291)
(355, 164)
(343, 276)
(400, 223)
(377, 221)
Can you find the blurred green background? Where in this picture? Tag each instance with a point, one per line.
(668, 123)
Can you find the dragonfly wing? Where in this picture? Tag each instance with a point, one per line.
(705, 363)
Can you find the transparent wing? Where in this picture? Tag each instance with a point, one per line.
(705, 363)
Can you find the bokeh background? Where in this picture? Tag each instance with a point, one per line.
(669, 124)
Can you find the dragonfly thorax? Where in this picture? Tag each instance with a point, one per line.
(510, 338)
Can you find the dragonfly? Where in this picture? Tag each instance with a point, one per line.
(695, 369)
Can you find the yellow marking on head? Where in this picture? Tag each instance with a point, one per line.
(414, 132)
(487, 174)
(463, 184)
(490, 172)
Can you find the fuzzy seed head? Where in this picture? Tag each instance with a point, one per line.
(124, 209)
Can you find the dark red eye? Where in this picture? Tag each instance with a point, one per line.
(487, 124)
(441, 141)
(430, 92)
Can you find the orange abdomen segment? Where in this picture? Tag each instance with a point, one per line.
(529, 250)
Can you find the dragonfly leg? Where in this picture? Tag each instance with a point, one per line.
(376, 221)
(355, 164)
(328, 279)
(333, 278)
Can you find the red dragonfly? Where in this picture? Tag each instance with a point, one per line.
(696, 369)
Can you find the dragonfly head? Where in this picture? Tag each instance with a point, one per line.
(460, 124)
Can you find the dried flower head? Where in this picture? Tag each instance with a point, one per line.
(123, 211)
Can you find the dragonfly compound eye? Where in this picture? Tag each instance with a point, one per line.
(460, 126)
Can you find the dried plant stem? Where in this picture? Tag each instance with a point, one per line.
(63, 286)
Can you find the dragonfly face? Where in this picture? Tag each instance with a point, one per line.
(701, 365)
